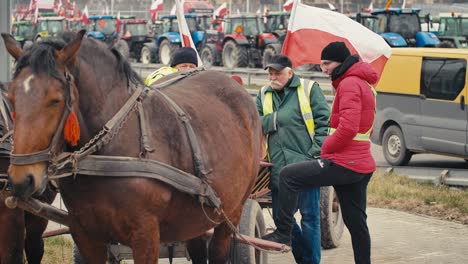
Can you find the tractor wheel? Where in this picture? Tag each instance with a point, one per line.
(331, 221)
(122, 47)
(166, 49)
(145, 55)
(208, 55)
(270, 51)
(234, 55)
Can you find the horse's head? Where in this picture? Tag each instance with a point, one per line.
(42, 93)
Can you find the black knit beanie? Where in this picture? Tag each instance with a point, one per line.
(184, 55)
(335, 51)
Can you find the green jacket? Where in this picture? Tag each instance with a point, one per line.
(288, 138)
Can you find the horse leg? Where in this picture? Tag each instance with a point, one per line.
(145, 246)
(34, 244)
(91, 251)
(11, 234)
(220, 242)
(197, 250)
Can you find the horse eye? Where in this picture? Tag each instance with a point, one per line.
(54, 102)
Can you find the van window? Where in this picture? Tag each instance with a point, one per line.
(443, 78)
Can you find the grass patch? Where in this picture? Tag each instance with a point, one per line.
(58, 250)
(399, 192)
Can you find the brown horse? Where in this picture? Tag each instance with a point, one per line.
(95, 82)
(18, 230)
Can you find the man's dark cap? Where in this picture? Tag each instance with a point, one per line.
(279, 62)
(184, 55)
(335, 51)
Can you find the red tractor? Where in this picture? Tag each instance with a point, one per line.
(241, 44)
(133, 33)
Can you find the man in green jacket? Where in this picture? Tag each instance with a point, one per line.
(294, 114)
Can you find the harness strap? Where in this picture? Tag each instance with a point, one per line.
(116, 166)
(145, 145)
(200, 170)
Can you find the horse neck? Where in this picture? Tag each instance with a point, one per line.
(101, 95)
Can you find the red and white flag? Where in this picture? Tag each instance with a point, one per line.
(32, 6)
(288, 5)
(221, 11)
(185, 35)
(118, 23)
(156, 6)
(173, 10)
(310, 29)
(85, 15)
(36, 14)
(45, 4)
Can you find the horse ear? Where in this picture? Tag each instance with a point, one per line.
(68, 53)
(12, 46)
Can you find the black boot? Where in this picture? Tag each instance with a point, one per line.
(287, 206)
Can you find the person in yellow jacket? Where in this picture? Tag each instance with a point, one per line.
(184, 58)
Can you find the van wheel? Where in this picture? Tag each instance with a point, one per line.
(394, 147)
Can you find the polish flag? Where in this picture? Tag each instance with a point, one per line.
(45, 4)
(85, 16)
(32, 6)
(310, 29)
(36, 14)
(221, 11)
(156, 6)
(288, 5)
(370, 8)
(186, 37)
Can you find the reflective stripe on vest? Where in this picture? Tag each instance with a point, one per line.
(158, 74)
(361, 136)
(303, 95)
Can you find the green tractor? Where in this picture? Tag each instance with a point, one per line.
(49, 25)
(277, 24)
(453, 30)
(23, 31)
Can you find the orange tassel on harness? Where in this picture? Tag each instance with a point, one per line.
(12, 116)
(71, 130)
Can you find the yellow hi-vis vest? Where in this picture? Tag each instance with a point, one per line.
(361, 136)
(303, 94)
(158, 74)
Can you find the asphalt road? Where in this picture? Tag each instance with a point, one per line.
(397, 238)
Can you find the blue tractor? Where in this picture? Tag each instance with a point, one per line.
(102, 27)
(169, 40)
(401, 27)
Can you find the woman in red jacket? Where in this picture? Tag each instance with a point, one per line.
(346, 162)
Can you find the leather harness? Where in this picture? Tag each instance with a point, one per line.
(65, 164)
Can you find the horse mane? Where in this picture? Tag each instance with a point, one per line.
(41, 57)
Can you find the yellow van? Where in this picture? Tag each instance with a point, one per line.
(421, 104)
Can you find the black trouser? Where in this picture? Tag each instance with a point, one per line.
(350, 186)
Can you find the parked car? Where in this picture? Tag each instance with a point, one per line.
(422, 104)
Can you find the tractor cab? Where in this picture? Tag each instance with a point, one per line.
(102, 27)
(277, 23)
(453, 30)
(49, 25)
(401, 27)
(23, 31)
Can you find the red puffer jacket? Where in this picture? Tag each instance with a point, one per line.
(352, 113)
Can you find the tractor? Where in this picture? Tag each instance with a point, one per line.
(169, 40)
(49, 25)
(133, 33)
(240, 45)
(453, 30)
(401, 27)
(277, 24)
(23, 31)
(103, 28)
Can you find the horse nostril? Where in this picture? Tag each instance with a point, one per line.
(29, 181)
